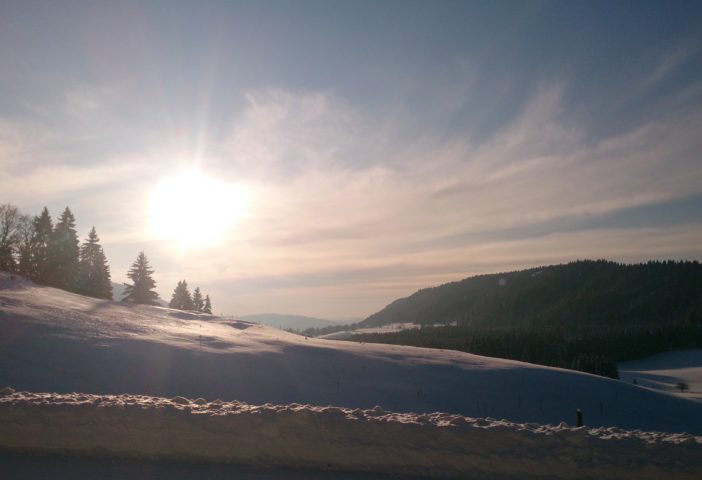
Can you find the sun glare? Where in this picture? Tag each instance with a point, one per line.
(192, 209)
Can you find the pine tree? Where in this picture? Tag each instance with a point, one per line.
(26, 234)
(181, 299)
(187, 298)
(43, 228)
(198, 303)
(177, 297)
(9, 218)
(174, 297)
(94, 273)
(207, 308)
(143, 289)
(63, 253)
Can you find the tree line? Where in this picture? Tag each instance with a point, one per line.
(52, 255)
(591, 350)
(578, 293)
(586, 315)
(183, 300)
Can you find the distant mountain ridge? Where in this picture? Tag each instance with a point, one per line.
(579, 293)
(295, 322)
(586, 315)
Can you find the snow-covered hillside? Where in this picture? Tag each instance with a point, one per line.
(52, 340)
(285, 322)
(389, 328)
(331, 438)
(666, 370)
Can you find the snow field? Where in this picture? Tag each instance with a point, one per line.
(665, 370)
(52, 340)
(436, 445)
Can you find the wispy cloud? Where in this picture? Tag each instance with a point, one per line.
(318, 215)
(281, 134)
(84, 103)
(536, 168)
(411, 154)
(413, 211)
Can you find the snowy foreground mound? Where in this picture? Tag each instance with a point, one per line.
(332, 438)
(55, 341)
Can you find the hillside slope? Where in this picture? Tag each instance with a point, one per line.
(51, 340)
(584, 293)
(665, 371)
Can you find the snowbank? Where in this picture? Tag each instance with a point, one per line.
(333, 438)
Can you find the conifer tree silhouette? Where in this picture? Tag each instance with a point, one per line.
(181, 299)
(198, 302)
(142, 291)
(94, 276)
(207, 308)
(39, 264)
(63, 253)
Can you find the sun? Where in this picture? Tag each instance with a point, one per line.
(194, 210)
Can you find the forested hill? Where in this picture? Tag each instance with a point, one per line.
(582, 293)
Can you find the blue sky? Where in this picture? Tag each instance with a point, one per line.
(382, 146)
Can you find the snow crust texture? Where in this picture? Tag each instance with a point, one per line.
(436, 445)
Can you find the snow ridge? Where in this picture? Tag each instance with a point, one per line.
(437, 445)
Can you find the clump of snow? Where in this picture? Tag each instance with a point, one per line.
(363, 440)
